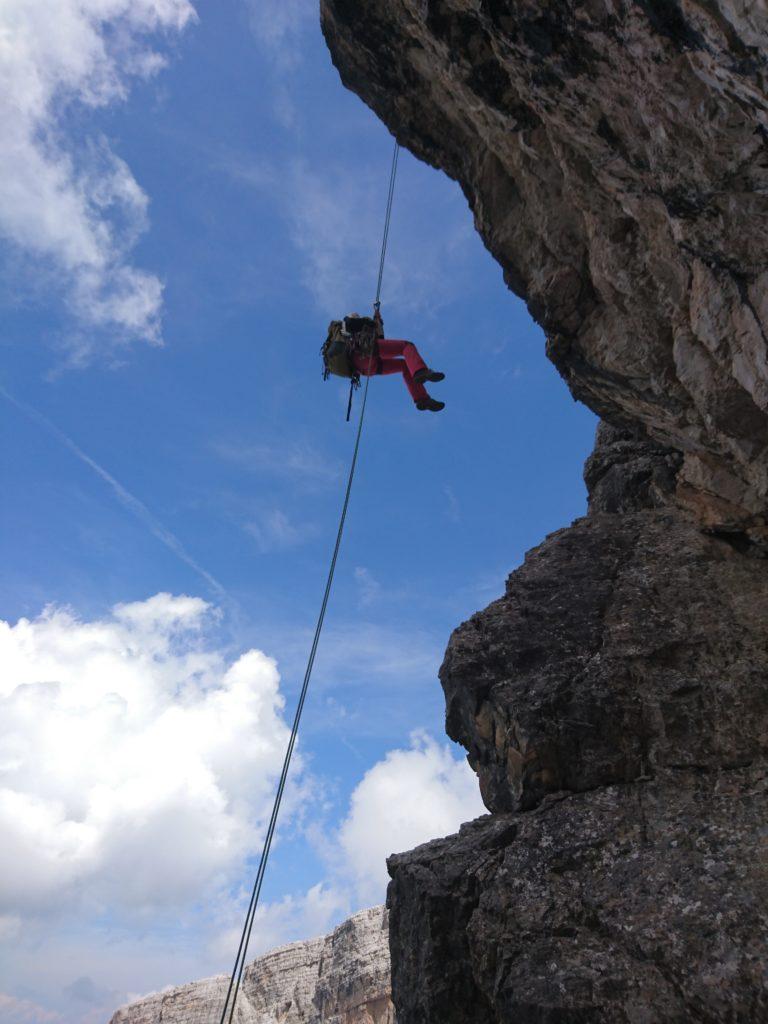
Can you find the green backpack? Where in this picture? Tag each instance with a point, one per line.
(354, 335)
(336, 353)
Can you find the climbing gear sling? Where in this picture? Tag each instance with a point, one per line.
(228, 1010)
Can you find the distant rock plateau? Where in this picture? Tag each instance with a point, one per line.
(342, 978)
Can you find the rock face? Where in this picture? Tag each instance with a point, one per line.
(614, 702)
(615, 155)
(616, 698)
(615, 705)
(638, 904)
(623, 646)
(343, 978)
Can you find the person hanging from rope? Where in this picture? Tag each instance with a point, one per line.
(356, 347)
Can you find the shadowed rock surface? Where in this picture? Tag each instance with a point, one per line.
(626, 472)
(624, 645)
(615, 155)
(342, 978)
(617, 695)
(639, 904)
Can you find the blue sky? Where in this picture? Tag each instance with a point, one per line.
(175, 236)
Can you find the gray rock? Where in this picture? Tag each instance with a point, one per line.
(614, 701)
(626, 472)
(623, 645)
(615, 155)
(343, 978)
(638, 904)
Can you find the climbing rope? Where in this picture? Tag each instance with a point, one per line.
(228, 1010)
(387, 219)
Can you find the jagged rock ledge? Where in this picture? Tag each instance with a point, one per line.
(634, 904)
(624, 645)
(616, 698)
(341, 978)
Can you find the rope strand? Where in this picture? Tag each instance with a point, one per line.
(228, 1010)
(387, 220)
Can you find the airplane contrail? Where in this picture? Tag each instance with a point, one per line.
(137, 508)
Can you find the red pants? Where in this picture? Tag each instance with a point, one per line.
(389, 361)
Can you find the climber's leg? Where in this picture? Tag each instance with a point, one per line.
(389, 348)
(417, 391)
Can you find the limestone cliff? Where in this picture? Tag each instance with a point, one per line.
(616, 698)
(342, 978)
(614, 701)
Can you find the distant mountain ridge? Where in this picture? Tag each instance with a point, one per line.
(340, 978)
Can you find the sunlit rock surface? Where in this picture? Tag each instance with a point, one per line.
(342, 978)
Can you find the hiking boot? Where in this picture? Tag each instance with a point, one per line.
(425, 374)
(430, 403)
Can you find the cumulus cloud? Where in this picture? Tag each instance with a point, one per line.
(118, 783)
(408, 798)
(74, 204)
(137, 766)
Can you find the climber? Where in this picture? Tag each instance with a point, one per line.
(356, 347)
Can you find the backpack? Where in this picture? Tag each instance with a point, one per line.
(336, 353)
(354, 335)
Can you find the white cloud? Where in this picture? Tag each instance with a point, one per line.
(24, 1011)
(297, 461)
(278, 26)
(352, 654)
(368, 586)
(273, 530)
(452, 506)
(296, 916)
(136, 760)
(408, 798)
(137, 765)
(73, 203)
(335, 213)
